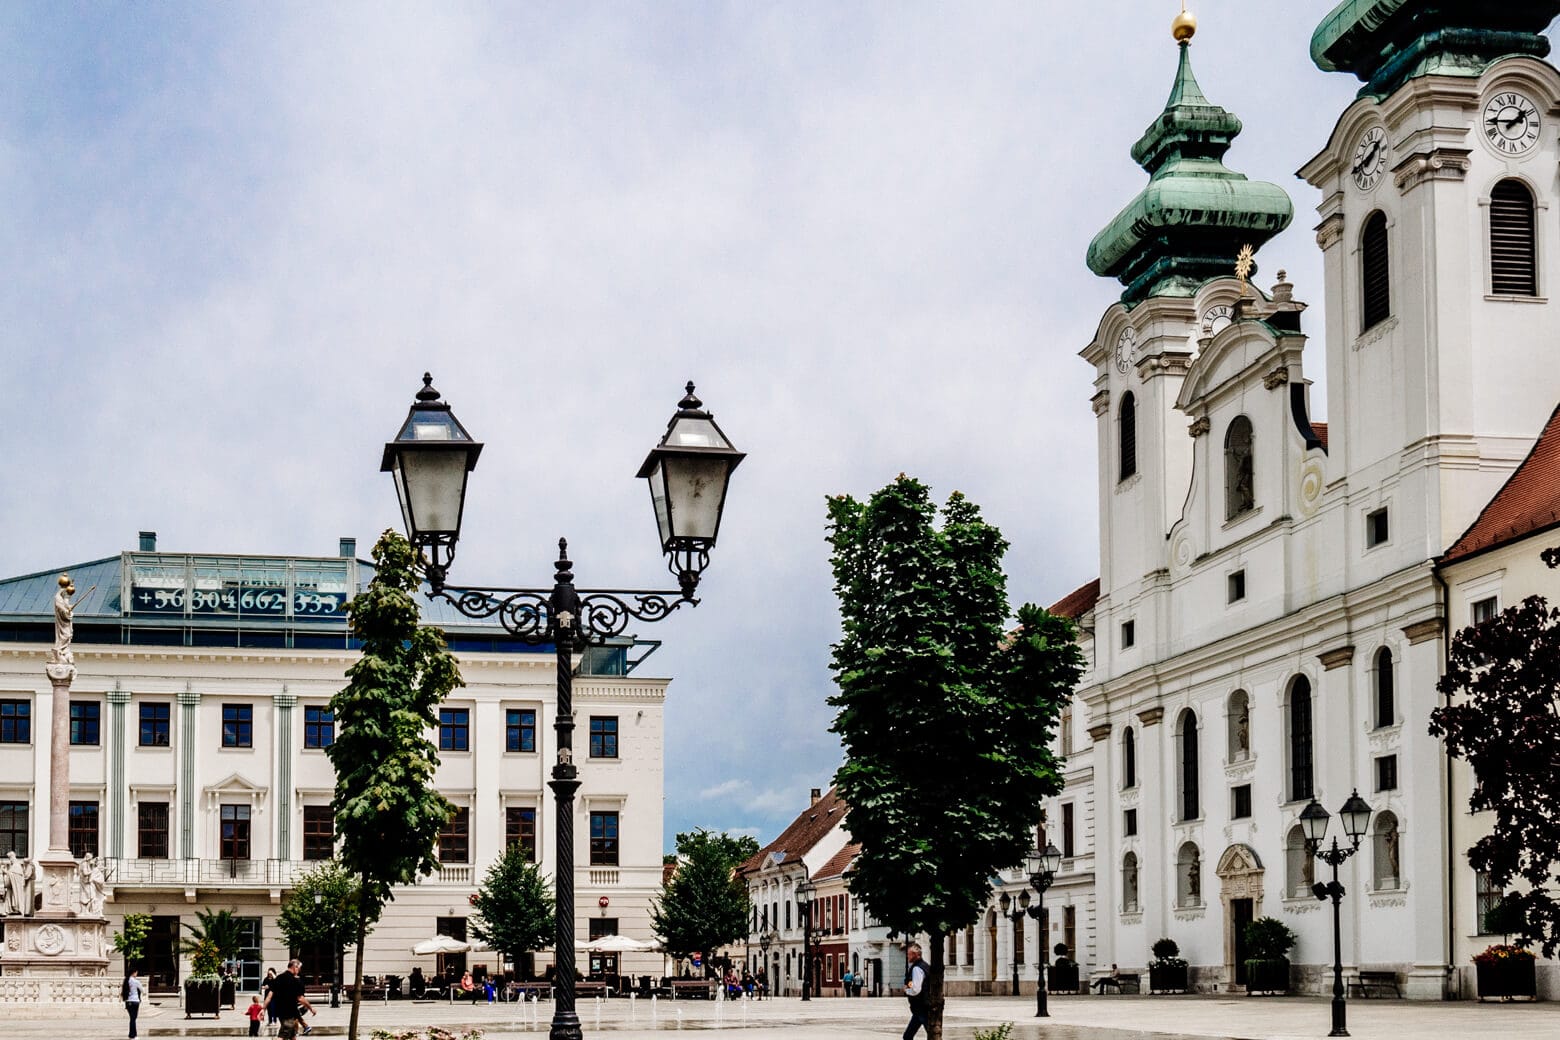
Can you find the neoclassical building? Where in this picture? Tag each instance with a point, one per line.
(199, 720)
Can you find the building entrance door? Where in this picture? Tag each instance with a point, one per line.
(1240, 917)
(1240, 876)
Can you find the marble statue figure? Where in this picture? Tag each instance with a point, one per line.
(64, 621)
(18, 892)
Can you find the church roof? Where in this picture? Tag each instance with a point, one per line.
(1189, 222)
(1528, 502)
(1078, 602)
(1386, 43)
(805, 831)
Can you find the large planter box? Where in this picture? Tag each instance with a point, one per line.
(1062, 978)
(1267, 976)
(202, 998)
(1507, 979)
(1167, 978)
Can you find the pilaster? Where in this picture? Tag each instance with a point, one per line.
(283, 789)
(118, 702)
(188, 701)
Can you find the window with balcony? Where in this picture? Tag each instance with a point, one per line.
(454, 729)
(520, 729)
(152, 830)
(235, 832)
(319, 727)
(155, 723)
(455, 838)
(85, 723)
(319, 832)
(83, 829)
(603, 736)
(520, 829)
(15, 722)
(603, 839)
(238, 725)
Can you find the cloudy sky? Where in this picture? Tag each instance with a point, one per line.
(234, 236)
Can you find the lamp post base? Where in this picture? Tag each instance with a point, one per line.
(565, 1026)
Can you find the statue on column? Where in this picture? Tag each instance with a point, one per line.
(64, 621)
(92, 885)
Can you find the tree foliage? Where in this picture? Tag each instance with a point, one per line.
(945, 715)
(704, 906)
(334, 918)
(515, 907)
(1502, 716)
(215, 938)
(130, 942)
(388, 814)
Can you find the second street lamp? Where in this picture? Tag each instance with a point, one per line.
(689, 471)
(1355, 815)
(335, 954)
(804, 894)
(1042, 867)
(1020, 910)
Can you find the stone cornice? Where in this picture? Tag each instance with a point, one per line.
(1151, 716)
(1100, 402)
(1438, 164)
(1420, 631)
(1329, 232)
(1100, 732)
(1336, 658)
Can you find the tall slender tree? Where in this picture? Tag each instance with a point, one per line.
(945, 712)
(705, 905)
(388, 814)
(514, 908)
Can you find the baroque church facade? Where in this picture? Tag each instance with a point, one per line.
(1275, 600)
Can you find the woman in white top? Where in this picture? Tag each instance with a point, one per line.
(132, 991)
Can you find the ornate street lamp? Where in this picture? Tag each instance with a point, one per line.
(689, 471)
(1355, 815)
(335, 954)
(1020, 910)
(765, 941)
(1042, 867)
(804, 894)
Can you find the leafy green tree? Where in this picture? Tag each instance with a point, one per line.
(388, 815)
(215, 938)
(130, 943)
(946, 714)
(515, 908)
(333, 919)
(1503, 716)
(704, 906)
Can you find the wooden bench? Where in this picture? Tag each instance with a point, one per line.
(695, 988)
(525, 990)
(1375, 984)
(592, 989)
(1122, 983)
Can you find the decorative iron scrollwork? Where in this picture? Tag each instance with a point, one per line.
(526, 613)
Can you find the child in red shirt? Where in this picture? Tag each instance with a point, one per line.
(255, 1011)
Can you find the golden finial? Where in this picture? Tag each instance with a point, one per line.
(1185, 25)
(1243, 264)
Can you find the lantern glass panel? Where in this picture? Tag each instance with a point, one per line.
(432, 486)
(663, 516)
(696, 491)
(694, 433)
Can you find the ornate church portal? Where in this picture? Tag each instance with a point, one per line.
(1240, 890)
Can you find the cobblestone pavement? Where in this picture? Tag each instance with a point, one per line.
(1073, 1018)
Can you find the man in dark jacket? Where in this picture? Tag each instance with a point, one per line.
(288, 1002)
(915, 990)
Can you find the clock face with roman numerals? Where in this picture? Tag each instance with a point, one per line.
(1370, 158)
(1511, 123)
(1126, 349)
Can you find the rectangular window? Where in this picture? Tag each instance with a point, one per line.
(13, 828)
(1240, 802)
(1064, 731)
(1386, 773)
(1237, 586)
(1486, 899)
(1070, 928)
(520, 730)
(520, 829)
(15, 722)
(1483, 610)
(1067, 829)
(319, 727)
(154, 723)
(319, 832)
(601, 927)
(85, 719)
(603, 839)
(152, 830)
(1376, 528)
(1129, 823)
(83, 829)
(454, 729)
(238, 725)
(235, 832)
(455, 838)
(603, 736)
(1018, 940)
(1128, 633)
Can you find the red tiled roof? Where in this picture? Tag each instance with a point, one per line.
(1078, 602)
(839, 863)
(1320, 429)
(1529, 500)
(804, 832)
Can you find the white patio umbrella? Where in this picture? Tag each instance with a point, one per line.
(616, 944)
(441, 944)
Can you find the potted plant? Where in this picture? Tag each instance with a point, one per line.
(1268, 941)
(1063, 977)
(1506, 971)
(1167, 971)
(203, 989)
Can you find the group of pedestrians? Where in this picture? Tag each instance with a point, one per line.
(284, 1003)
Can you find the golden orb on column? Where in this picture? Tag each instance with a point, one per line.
(1184, 27)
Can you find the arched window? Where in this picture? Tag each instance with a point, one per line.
(1188, 876)
(1129, 883)
(1128, 759)
(1513, 249)
(1385, 713)
(1299, 867)
(1375, 273)
(1127, 436)
(1238, 722)
(1186, 738)
(1239, 469)
(1386, 863)
(1300, 775)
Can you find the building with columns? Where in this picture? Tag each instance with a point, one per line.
(1276, 595)
(199, 720)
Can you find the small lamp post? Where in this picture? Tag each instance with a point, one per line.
(1019, 910)
(689, 471)
(804, 894)
(1042, 866)
(764, 942)
(1355, 815)
(335, 954)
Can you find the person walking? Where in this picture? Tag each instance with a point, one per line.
(288, 1001)
(131, 991)
(265, 996)
(915, 991)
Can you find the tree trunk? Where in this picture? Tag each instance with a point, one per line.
(357, 976)
(934, 979)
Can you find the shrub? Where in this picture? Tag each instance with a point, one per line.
(1269, 939)
(1167, 953)
(1002, 1032)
